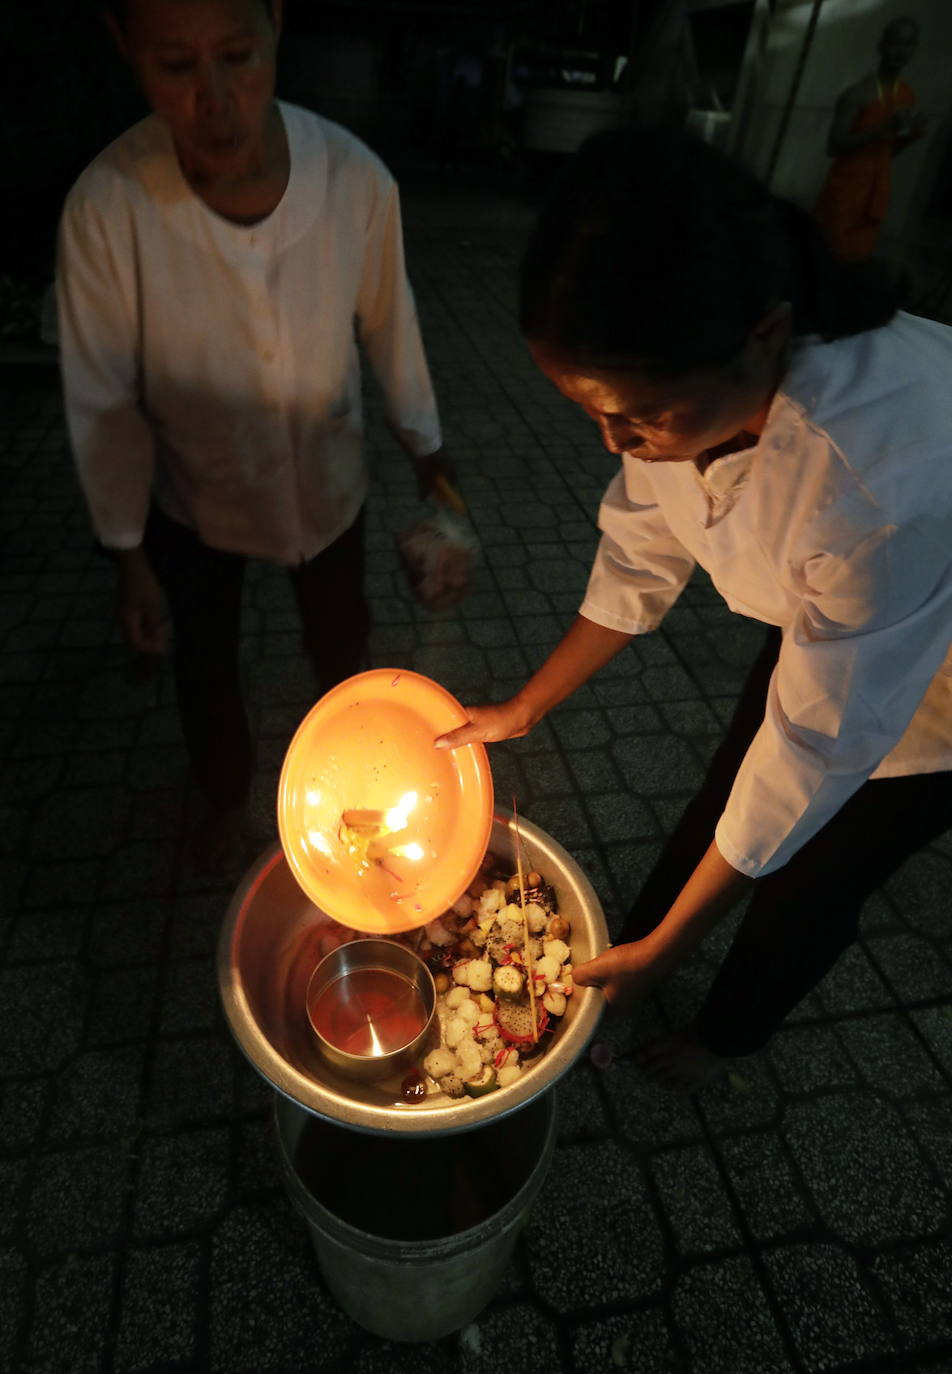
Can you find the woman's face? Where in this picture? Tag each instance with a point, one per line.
(676, 421)
(207, 68)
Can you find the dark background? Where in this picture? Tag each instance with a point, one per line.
(436, 87)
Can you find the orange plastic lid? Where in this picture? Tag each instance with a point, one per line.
(382, 830)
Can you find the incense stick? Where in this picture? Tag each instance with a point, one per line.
(525, 925)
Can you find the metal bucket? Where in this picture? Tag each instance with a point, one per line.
(390, 1269)
(270, 945)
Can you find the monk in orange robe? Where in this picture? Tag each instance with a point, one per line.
(873, 120)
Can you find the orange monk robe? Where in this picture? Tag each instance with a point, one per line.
(853, 201)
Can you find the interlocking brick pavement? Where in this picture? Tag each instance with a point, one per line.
(794, 1218)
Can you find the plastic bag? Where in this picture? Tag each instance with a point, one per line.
(438, 555)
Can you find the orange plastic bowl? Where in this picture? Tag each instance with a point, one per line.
(382, 830)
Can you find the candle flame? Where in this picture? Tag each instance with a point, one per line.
(397, 816)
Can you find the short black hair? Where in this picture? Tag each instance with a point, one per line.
(659, 249)
(118, 8)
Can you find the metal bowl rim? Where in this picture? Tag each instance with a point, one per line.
(332, 1105)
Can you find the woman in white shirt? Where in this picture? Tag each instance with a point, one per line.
(215, 263)
(780, 424)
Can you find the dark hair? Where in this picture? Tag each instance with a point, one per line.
(119, 8)
(659, 249)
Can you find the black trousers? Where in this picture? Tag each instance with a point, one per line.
(203, 587)
(803, 916)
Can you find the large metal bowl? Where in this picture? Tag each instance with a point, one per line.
(271, 942)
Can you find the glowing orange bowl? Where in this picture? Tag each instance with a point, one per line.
(418, 818)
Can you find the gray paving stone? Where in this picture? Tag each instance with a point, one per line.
(77, 1199)
(621, 816)
(127, 932)
(192, 1081)
(62, 883)
(807, 1058)
(922, 887)
(14, 1176)
(139, 869)
(22, 1107)
(581, 1111)
(834, 1316)
(656, 765)
(47, 935)
(79, 823)
(890, 1056)
(848, 1146)
(606, 1245)
(269, 1309)
(465, 670)
(580, 729)
(70, 1319)
(692, 1195)
(41, 1015)
(519, 1337)
(726, 1322)
(852, 984)
(594, 771)
(769, 1193)
(378, 1356)
(562, 817)
(190, 997)
(912, 966)
(917, 1281)
(744, 1099)
(15, 1294)
(159, 1307)
(183, 1182)
(97, 1096)
(121, 1006)
(629, 864)
(935, 1026)
(640, 1342)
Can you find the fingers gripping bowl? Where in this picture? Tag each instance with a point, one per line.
(272, 939)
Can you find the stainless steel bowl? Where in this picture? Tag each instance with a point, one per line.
(273, 938)
(333, 979)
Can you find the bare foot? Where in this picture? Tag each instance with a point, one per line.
(680, 1062)
(222, 840)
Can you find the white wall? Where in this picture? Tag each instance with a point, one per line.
(843, 50)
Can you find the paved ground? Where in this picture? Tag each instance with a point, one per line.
(796, 1218)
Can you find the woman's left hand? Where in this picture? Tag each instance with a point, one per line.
(436, 478)
(626, 974)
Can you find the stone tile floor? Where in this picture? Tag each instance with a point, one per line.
(796, 1217)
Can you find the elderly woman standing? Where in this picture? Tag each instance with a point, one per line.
(779, 423)
(217, 264)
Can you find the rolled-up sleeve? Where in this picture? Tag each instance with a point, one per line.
(873, 629)
(640, 568)
(99, 355)
(389, 328)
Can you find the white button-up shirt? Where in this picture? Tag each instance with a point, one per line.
(836, 527)
(215, 365)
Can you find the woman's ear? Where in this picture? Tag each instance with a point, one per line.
(772, 333)
(114, 24)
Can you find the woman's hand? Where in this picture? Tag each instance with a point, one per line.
(626, 974)
(489, 724)
(436, 478)
(141, 604)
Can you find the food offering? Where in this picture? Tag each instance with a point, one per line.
(502, 963)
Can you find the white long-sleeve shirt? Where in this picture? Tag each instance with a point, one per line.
(836, 527)
(214, 365)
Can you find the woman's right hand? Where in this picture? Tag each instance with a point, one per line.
(489, 725)
(141, 604)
